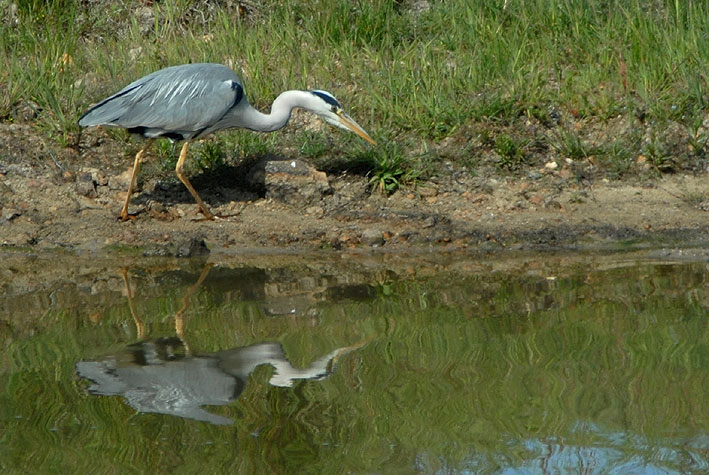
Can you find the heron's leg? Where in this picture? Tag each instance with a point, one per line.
(185, 181)
(133, 178)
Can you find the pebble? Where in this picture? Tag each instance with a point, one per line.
(429, 222)
(552, 204)
(372, 237)
(427, 191)
(19, 239)
(316, 211)
(8, 214)
(536, 199)
(85, 185)
(157, 206)
(534, 175)
(190, 247)
(100, 178)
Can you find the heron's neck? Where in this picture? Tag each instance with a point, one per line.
(280, 111)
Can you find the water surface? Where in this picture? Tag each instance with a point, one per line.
(346, 363)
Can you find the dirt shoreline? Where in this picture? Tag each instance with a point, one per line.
(70, 200)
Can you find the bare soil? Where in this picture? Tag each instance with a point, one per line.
(55, 197)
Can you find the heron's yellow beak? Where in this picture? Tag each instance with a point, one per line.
(348, 122)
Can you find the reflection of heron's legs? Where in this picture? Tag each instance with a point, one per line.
(140, 327)
(179, 320)
(133, 178)
(186, 182)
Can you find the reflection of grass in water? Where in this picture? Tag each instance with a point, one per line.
(462, 366)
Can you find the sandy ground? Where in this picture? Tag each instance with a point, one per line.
(70, 199)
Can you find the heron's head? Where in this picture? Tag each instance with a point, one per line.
(331, 112)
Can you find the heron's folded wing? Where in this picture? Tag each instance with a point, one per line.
(176, 103)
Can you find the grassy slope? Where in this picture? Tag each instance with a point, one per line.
(503, 85)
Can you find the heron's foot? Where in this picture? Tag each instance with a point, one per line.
(127, 217)
(206, 215)
(216, 217)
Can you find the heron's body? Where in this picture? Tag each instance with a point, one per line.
(190, 101)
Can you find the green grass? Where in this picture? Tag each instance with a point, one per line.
(570, 145)
(388, 168)
(510, 150)
(461, 65)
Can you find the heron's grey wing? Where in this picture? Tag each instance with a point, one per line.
(176, 99)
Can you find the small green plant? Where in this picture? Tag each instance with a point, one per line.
(697, 135)
(510, 150)
(57, 118)
(570, 145)
(167, 153)
(211, 154)
(659, 157)
(387, 166)
(618, 156)
(250, 144)
(497, 108)
(386, 175)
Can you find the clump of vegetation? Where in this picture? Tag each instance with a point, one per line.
(211, 154)
(421, 75)
(570, 145)
(168, 152)
(510, 150)
(387, 165)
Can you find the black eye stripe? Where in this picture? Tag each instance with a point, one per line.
(327, 98)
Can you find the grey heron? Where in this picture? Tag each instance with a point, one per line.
(189, 101)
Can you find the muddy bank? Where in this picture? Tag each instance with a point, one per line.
(71, 202)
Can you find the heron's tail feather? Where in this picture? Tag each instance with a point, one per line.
(110, 110)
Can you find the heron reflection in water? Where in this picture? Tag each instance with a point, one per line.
(163, 376)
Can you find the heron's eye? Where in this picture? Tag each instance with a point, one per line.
(336, 110)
